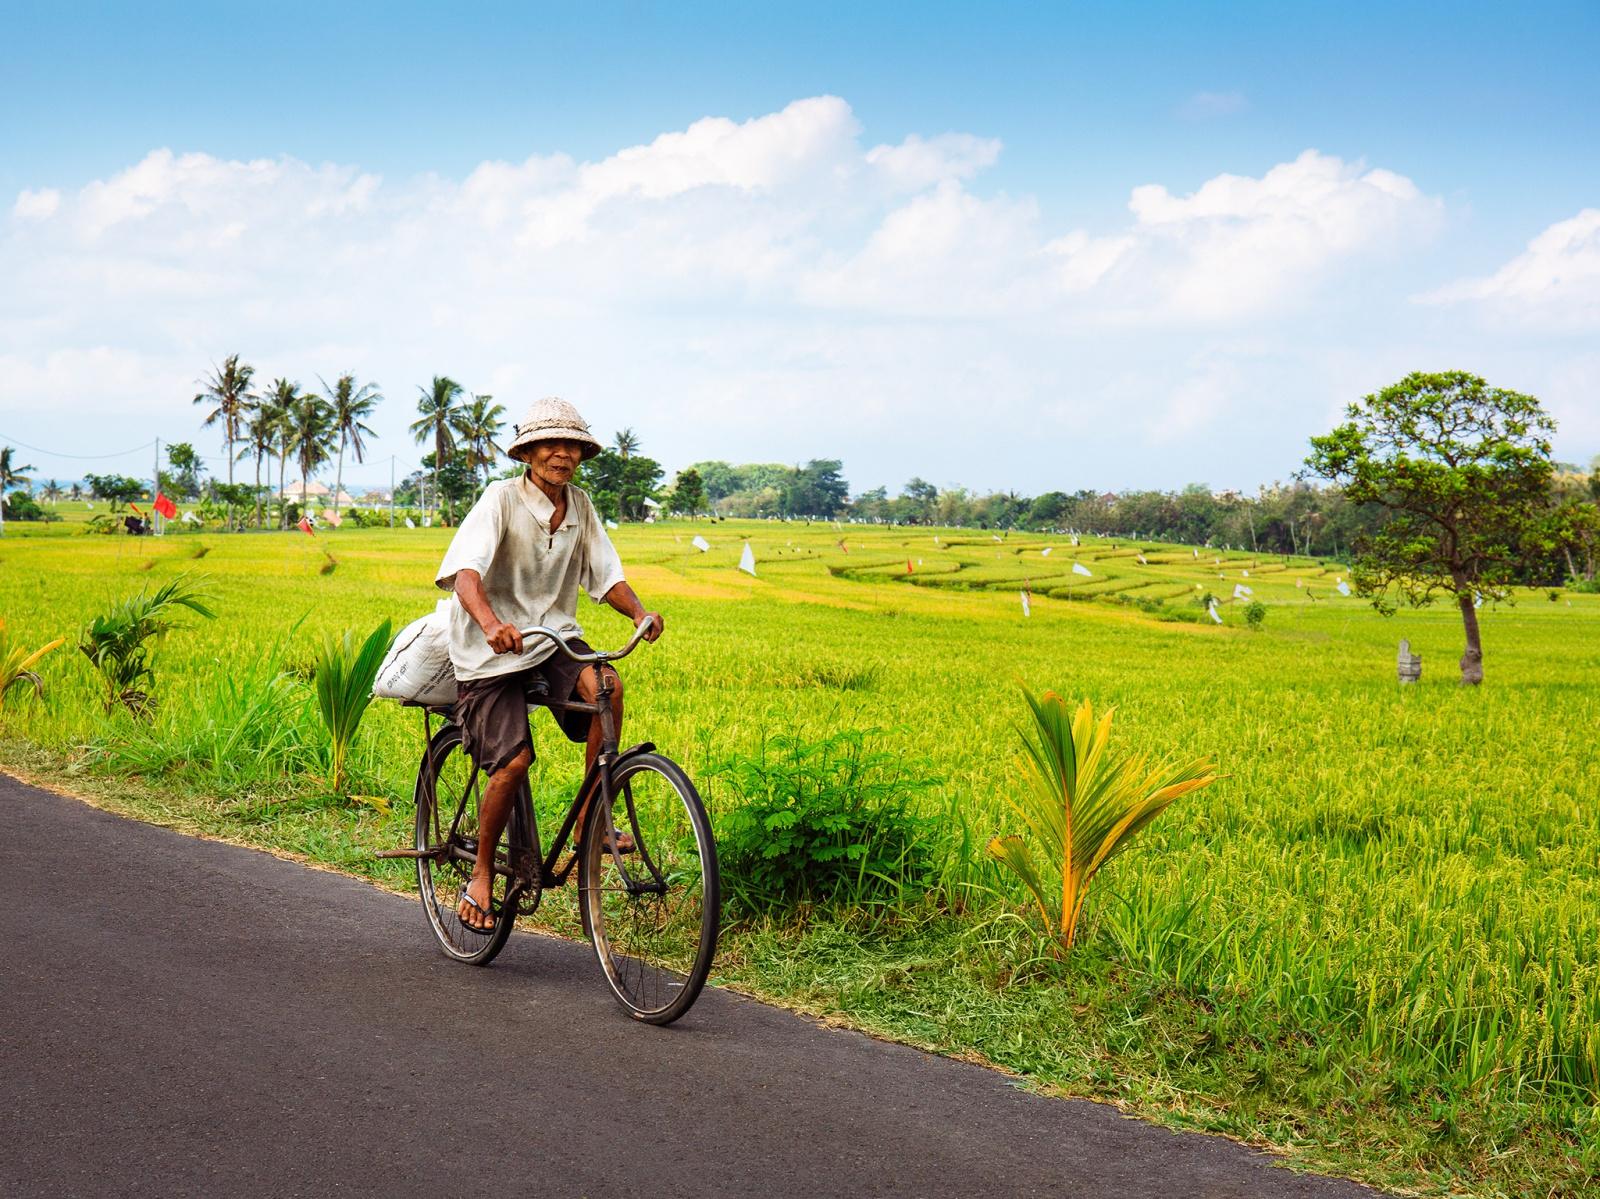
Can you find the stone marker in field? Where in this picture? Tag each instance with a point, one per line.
(1410, 664)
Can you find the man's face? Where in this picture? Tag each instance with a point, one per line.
(553, 462)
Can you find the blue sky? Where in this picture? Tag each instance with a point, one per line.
(755, 307)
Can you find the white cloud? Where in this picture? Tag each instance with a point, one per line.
(37, 205)
(1555, 281)
(1239, 245)
(777, 278)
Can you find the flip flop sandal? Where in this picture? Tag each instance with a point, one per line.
(482, 931)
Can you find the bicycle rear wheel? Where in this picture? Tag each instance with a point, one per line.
(449, 788)
(652, 911)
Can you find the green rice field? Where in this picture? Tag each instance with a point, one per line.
(1374, 945)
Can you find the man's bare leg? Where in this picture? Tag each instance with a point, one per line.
(493, 811)
(589, 691)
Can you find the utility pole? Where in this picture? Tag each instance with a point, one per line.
(391, 491)
(155, 490)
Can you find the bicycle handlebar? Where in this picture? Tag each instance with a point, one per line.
(599, 655)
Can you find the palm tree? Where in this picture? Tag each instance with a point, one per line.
(280, 402)
(439, 406)
(229, 391)
(311, 430)
(11, 473)
(478, 424)
(627, 442)
(351, 406)
(265, 423)
(52, 492)
(75, 492)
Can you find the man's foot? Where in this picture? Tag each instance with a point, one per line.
(472, 912)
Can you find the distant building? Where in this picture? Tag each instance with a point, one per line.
(314, 491)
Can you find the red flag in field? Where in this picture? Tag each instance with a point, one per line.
(165, 506)
(305, 526)
(137, 509)
(909, 571)
(843, 546)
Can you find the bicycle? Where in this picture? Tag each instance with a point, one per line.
(651, 909)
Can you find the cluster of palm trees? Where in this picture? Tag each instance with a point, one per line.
(285, 423)
(457, 423)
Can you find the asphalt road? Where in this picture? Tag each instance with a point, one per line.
(181, 1017)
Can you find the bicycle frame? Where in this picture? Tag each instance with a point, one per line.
(597, 779)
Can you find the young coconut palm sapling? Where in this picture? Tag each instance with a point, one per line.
(1083, 806)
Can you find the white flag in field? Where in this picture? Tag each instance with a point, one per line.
(1344, 588)
(1212, 609)
(1240, 591)
(1197, 555)
(427, 522)
(1047, 550)
(1074, 539)
(1078, 568)
(1245, 573)
(1027, 609)
(410, 524)
(997, 537)
(1142, 560)
(189, 518)
(610, 524)
(700, 543)
(747, 561)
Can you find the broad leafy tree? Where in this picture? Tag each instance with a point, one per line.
(227, 393)
(351, 405)
(1463, 472)
(688, 493)
(440, 408)
(119, 489)
(186, 466)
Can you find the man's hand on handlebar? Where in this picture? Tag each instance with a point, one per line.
(657, 623)
(504, 638)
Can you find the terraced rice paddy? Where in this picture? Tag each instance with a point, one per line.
(1375, 944)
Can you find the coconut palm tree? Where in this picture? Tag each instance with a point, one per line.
(280, 401)
(351, 406)
(478, 424)
(75, 492)
(439, 407)
(11, 471)
(311, 431)
(627, 442)
(52, 492)
(266, 423)
(228, 391)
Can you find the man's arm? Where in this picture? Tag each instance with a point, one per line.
(503, 638)
(622, 598)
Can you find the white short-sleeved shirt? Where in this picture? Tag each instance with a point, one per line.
(531, 573)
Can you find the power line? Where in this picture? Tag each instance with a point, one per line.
(33, 449)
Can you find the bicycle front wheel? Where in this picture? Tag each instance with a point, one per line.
(449, 788)
(652, 907)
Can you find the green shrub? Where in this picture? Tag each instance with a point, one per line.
(1255, 612)
(829, 822)
(122, 643)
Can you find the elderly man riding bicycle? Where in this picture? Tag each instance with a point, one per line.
(518, 560)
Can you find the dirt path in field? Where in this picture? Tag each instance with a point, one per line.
(181, 1016)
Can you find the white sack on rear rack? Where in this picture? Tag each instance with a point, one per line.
(417, 667)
